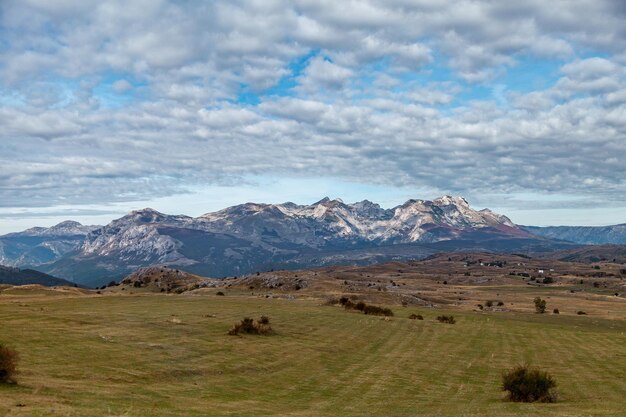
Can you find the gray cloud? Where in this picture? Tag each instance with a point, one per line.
(358, 110)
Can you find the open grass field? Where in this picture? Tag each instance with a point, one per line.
(170, 355)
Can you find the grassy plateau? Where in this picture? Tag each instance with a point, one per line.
(170, 355)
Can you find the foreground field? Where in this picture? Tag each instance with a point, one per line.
(169, 355)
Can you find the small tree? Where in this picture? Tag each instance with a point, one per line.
(540, 305)
(8, 362)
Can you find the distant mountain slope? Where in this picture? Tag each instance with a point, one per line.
(40, 245)
(15, 276)
(588, 254)
(584, 235)
(254, 237)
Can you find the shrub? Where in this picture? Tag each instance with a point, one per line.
(249, 326)
(556, 311)
(488, 303)
(360, 306)
(220, 293)
(500, 303)
(446, 319)
(416, 317)
(581, 313)
(344, 300)
(548, 280)
(480, 306)
(8, 363)
(377, 311)
(525, 384)
(540, 305)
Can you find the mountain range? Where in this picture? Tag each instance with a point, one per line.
(584, 235)
(252, 237)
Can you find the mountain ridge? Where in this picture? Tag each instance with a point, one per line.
(256, 236)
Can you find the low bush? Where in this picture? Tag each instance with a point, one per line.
(446, 319)
(220, 293)
(581, 313)
(500, 303)
(367, 309)
(360, 306)
(416, 317)
(556, 311)
(8, 364)
(540, 305)
(525, 384)
(249, 326)
(488, 303)
(377, 311)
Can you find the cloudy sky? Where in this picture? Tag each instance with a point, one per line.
(190, 106)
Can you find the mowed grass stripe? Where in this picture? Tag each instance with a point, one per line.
(128, 356)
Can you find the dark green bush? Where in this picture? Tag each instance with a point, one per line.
(540, 305)
(377, 311)
(416, 317)
(360, 306)
(249, 326)
(8, 364)
(525, 384)
(446, 319)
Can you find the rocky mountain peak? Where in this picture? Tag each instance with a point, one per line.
(448, 200)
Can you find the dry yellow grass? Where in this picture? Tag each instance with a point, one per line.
(169, 355)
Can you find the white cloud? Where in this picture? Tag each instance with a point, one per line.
(377, 91)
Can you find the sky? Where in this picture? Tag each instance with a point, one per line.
(192, 106)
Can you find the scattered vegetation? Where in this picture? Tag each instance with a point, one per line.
(378, 311)
(8, 364)
(525, 384)
(446, 319)
(249, 326)
(540, 305)
(365, 308)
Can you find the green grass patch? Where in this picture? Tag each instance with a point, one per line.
(171, 355)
